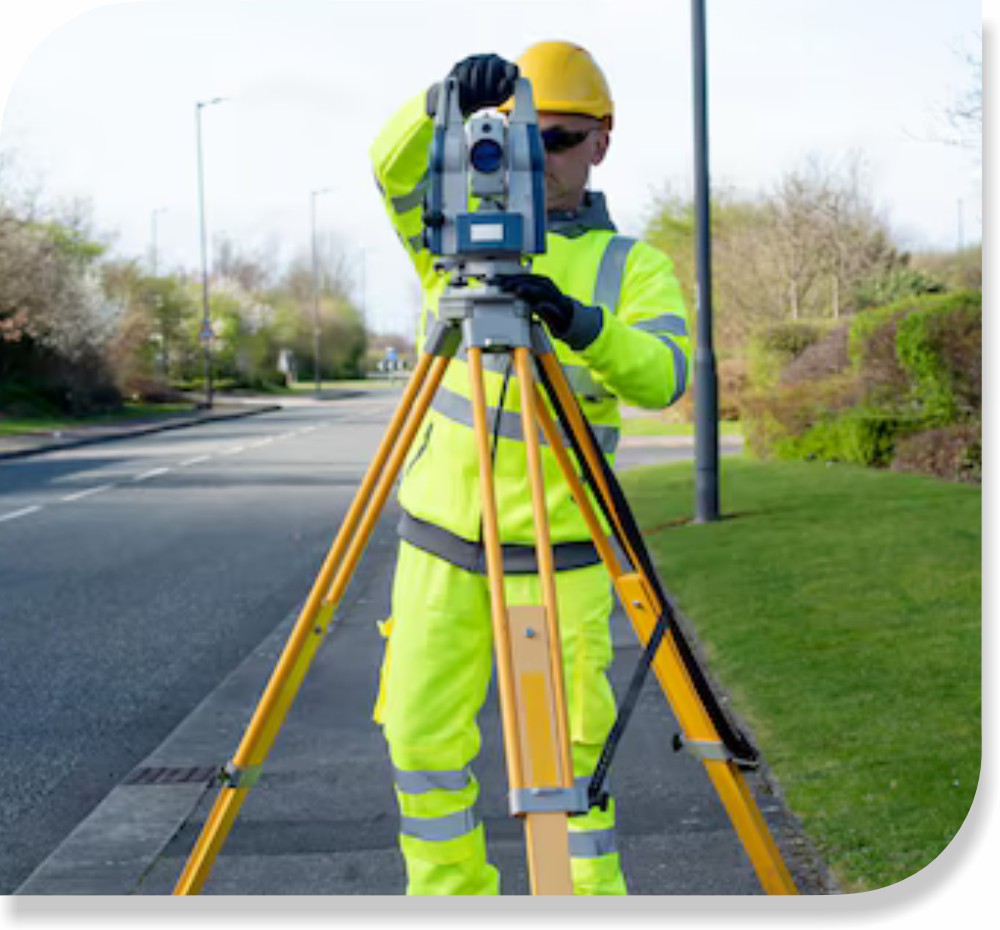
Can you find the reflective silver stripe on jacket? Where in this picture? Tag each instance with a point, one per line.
(664, 328)
(439, 829)
(680, 368)
(611, 271)
(668, 323)
(413, 782)
(414, 198)
(459, 409)
(589, 844)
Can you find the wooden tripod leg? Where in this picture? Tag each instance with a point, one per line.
(643, 609)
(525, 680)
(315, 617)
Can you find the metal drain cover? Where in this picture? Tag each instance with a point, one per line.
(177, 775)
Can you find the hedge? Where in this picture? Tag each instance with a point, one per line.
(912, 367)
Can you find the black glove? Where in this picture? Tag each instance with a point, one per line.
(483, 81)
(567, 319)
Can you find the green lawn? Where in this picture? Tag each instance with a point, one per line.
(10, 426)
(841, 608)
(368, 384)
(654, 426)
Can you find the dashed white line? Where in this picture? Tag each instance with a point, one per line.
(195, 460)
(232, 451)
(152, 473)
(86, 493)
(23, 512)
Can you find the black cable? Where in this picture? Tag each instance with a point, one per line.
(503, 397)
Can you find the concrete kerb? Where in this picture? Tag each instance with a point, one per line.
(110, 851)
(55, 445)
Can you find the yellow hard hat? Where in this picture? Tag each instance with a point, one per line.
(564, 79)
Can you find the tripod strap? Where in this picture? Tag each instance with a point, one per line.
(734, 740)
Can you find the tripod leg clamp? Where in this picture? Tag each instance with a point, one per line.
(705, 750)
(549, 800)
(232, 776)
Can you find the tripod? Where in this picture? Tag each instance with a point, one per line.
(526, 638)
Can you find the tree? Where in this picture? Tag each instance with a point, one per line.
(804, 249)
(965, 115)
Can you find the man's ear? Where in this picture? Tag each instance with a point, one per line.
(601, 149)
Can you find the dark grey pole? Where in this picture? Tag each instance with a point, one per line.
(706, 398)
(206, 318)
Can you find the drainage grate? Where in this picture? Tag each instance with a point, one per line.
(164, 775)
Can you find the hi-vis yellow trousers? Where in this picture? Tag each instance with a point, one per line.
(434, 679)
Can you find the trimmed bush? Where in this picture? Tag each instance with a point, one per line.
(774, 348)
(859, 437)
(954, 453)
(941, 350)
(857, 392)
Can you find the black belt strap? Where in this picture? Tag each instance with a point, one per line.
(471, 556)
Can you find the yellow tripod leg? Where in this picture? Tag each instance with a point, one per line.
(535, 741)
(314, 619)
(643, 609)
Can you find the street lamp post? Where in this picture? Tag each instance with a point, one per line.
(206, 318)
(153, 257)
(315, 270)
(706, 399)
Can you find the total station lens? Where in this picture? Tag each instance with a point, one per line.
(486, 156)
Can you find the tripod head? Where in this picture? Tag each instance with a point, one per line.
(484, 213)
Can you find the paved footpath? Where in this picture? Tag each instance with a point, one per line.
(322, 819)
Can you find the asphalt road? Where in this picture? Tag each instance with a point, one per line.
(134, 576)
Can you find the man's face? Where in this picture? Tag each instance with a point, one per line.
(567, 171)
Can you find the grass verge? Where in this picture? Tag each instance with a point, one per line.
(655, 426)
(10, 426)
(841, 608)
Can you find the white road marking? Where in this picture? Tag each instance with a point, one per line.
(232, 451)
(80, 494)
(195, 460)
(19, 513)
(152, 473)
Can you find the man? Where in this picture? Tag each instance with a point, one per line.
(617, 315)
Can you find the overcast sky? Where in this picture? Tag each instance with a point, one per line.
(103, 108)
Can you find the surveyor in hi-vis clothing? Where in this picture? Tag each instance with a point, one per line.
(615, 310)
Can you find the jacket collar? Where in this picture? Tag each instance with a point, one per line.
(592, 214)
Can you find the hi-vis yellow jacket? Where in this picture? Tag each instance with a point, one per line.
(640, 357)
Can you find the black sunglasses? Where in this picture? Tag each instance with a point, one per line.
(558, 139)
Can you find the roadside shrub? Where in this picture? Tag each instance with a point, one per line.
(733, 376)
(775, 347)
(954, 453)
(858, 437)
(864, 390)
(825, 357)
(941, 349)
(773, 417)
